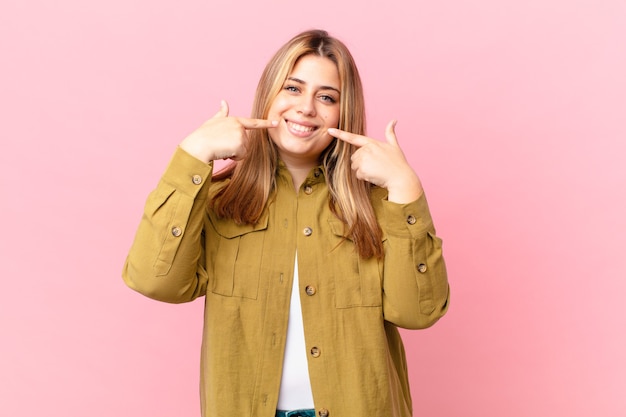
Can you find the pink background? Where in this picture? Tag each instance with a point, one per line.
(512, 112)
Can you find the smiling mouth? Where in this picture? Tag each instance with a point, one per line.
(300, 128)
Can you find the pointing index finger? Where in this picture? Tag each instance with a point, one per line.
(352, 138)
(257, 123)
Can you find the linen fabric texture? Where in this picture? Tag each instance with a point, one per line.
(351, 307)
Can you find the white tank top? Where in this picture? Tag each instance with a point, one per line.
(295, 385)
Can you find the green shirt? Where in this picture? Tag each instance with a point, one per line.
(351, 307)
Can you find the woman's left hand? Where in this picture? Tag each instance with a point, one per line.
(383, 164)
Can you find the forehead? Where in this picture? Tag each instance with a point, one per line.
(316, 70)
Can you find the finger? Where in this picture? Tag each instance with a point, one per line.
(390, 133)
(223, 111)
(257, 123)
(356, 140)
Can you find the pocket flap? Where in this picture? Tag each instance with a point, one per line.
(338, 228)
(229, 229)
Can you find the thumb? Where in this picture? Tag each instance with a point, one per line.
(223, 112)
(390, 133)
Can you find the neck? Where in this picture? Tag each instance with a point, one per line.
(299, 170)
(298, 175)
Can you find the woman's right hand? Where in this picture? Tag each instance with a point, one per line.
(222, 137)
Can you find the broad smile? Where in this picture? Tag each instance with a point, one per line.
(299, 129)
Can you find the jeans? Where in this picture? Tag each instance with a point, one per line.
(295, 413)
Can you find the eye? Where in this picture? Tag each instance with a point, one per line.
(328, 99)
(291, 88)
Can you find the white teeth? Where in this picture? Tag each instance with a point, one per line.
(300, 128)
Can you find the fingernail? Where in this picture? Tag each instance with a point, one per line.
(332, 130)
(274, 122)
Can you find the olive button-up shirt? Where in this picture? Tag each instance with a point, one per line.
(351, 307)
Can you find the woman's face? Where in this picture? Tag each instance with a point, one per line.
(306, 107)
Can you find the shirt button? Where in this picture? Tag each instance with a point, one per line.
(307, 231)
(315, 352)
(422, 268)
(308, 189)
(323, 412)
(411, 219)
(310, 290)
(317, 172)
(196, 179)
(177, 231)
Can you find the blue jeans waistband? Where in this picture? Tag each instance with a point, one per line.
(296, 413)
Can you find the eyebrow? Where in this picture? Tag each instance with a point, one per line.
(323, 87)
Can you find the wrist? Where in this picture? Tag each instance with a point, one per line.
(197, 150)
(405, 190)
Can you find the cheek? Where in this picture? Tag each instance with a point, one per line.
(278, 105)
(331, 118)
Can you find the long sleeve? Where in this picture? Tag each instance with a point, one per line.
(166, 260)
(415, 284)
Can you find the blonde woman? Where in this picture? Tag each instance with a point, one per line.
(311, 248)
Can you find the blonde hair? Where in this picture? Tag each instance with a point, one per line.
(253, 178)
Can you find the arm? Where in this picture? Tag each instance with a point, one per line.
(415, 284)
(166, 260)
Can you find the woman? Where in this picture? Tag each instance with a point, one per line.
(310, 248)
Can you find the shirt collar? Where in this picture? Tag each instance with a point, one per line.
(315, 176)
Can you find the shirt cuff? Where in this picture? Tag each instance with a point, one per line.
(410, 220)
(187, 174)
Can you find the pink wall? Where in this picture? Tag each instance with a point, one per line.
(512, 112)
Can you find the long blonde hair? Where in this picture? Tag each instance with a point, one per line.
(253, 178)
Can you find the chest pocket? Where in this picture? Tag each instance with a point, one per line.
(358, 281)
(236, 257)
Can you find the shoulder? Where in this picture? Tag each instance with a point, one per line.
(377, 196)
(218, 185)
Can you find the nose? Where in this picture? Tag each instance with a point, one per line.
(306, 105)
